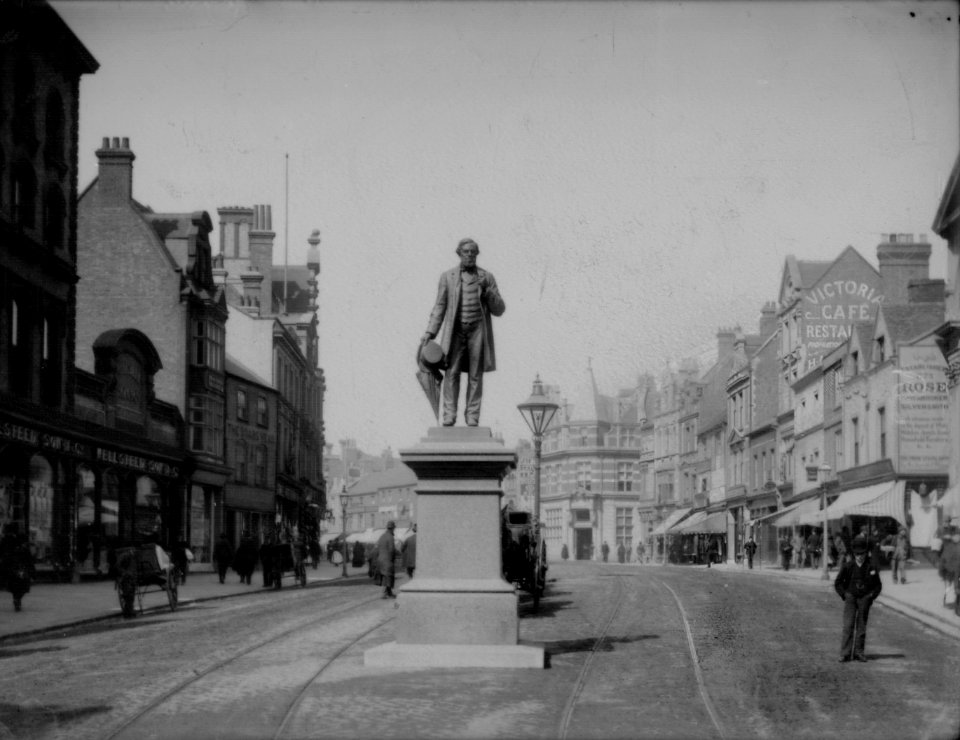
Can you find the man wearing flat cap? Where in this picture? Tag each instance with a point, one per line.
(858, 584)
(467, 299)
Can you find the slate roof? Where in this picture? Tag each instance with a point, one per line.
(911, 320)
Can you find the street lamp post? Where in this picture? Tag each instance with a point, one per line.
(538, 412)
(343, 526)
(824, 471)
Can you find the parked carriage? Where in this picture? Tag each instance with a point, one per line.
(142, 570)
(523, 553)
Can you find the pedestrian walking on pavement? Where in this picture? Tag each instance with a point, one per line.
(16, 563)
(798, 550)
(179, 558)
(223, 556)
(387, 560)
(605, 551)
(814, 548)
(786, 551)
(621, 553)
(901, 551)
(750, 548)
(245, 558)
(408, 553)
(858, 584)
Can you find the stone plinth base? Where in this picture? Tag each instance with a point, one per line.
(468, 612)
(395, 655)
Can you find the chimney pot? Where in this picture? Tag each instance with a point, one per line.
(126, 142)
(116, 142)
(106, 142)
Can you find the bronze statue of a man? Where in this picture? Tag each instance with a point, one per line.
(467, 299)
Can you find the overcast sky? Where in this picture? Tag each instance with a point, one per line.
(635, 173)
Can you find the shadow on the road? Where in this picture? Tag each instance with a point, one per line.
(30, 651)
(884, 656)
(548, 608)
(27, 720)
(605, 644)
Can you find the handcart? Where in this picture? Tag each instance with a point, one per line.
(288, 558)
(141, 570)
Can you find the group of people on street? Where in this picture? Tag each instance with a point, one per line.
(243, 560)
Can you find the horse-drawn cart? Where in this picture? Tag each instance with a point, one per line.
(141, 570)
(524, 554)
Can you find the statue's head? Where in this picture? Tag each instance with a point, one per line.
(468, 250)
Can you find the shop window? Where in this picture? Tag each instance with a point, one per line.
(40, 508)
(201, 523)
(110, 508)
(147, 520)
(88, 539)
(11, 501)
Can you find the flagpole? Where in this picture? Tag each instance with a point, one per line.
(286, 224)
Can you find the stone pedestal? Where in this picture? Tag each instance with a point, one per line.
(457, 611)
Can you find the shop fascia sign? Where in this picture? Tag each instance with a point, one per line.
(63, 445)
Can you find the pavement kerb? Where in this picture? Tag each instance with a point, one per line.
(940, 622)
(156, 608)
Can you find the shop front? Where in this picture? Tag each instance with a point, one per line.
(79, 491)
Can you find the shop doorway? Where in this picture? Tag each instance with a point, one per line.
(583, 543)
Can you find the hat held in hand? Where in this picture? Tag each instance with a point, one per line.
(431, 355)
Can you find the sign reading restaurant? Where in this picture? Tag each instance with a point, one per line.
(830, 309)
(55, 443)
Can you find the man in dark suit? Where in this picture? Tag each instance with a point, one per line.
(858, 584)
(467, 299)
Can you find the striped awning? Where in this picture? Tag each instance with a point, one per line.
(675, 516)
(795, 514)
(715, 523)
(693, 520)
(876, 500)
(889, 503)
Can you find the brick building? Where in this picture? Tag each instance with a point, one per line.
(153, 272)
(41, 63)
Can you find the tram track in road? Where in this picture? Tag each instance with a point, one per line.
(184, 686)
(567, 717)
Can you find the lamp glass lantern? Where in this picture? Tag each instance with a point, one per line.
(538, 411)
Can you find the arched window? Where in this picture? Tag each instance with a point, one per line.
(54, 217)
(24, 194)
(54, 132)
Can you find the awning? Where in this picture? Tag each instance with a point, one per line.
(848, 503)
(692, 520)
(715, 523)
(795, 514)
(890, 503)
(675, 516)
(325, 538)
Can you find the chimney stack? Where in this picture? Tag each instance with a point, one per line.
(261, 249)
(115, 171)
(932, 290)
(725, 338)
(768, 319)
(252, 281)
(902, 259)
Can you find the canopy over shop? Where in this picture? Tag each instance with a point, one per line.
(878, 500)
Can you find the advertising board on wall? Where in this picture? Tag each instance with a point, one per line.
(923, 411)
(830, 310)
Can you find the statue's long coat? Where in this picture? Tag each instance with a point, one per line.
(445, 312)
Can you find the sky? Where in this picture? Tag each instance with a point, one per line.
(635, 173)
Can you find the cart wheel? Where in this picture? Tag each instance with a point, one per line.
(173, 595)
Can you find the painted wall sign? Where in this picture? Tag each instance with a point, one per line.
(923, 411)
(830, 310)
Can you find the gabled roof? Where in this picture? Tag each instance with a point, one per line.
(799, 275)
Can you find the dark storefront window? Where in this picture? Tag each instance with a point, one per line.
(41, 508)
(147, 519)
